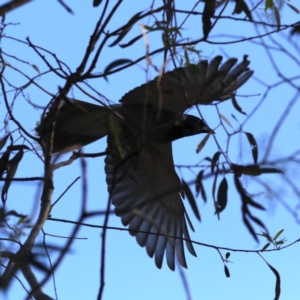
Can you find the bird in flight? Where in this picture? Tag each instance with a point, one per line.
(142, 182)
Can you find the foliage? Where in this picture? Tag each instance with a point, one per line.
(177, 47)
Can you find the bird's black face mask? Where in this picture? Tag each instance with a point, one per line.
(186, 125)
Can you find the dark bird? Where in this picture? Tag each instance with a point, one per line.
(142, 182)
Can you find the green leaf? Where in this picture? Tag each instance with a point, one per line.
(162, 27)
(200, 187)
(241, 6)
(3, 141)
(252, 170)
(13, 166)
(131, 42)
(278, 234)
(251, 202)
(192, 49)
(36, 68)
(246, 201)
(222, 196)
(226, 120)
(277, 286)
(215, 160)
(269, 4)
(96, 3)
(253, 145)
(191, 199)
(265, 247)
(277, 17)
(249, 227)
(295, 30)
(236, 105)
(208, 13)
(226, 270)
(281, 242)
(2, 216)
(270, 170)
(202, 143)
(115, 64)
(214, 186)
(295, 9)
(126, 28)
(17, 147)
(203, 194)
(4, 162)
(256, 170)
(257, 221)
(187, 59)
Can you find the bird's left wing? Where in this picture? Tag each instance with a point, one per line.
(181, 88)
(145, 190)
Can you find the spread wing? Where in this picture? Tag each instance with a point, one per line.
(81, 123)
(181, 88)
(145, 190)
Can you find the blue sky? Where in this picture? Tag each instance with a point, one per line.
(130, 273)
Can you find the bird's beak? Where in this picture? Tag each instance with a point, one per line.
(208, 130)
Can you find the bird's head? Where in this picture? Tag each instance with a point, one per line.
(192, 125)
(186, 125)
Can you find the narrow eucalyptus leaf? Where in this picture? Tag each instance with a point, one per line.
(126, 28)
(203, 194)
(36, 68)
(270, 170)
(17, 147)
(253, 145)
(215, 160)
(202, 143)
(268, 4)
(294, 8)
(131, 42)
(11, 171)
(115, 64)
(208, 13)
(250, 228)
(222, 196)
(4, 162)
(278, 234)
(241, 6)
(96, 3)
(3, 141)
(198, 182)
(265, 247)
(278, 282)
(236, 105)
(225, 119)
(277, 17)
(252, 170)
(200, 187)
(226, 270)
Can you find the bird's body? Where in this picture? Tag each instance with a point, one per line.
(140, 174)
(145, 189)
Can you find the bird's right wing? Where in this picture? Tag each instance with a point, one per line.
(145, 190)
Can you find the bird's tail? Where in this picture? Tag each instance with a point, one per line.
(76, 124)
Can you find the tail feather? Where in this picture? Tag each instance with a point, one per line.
(76, 124)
